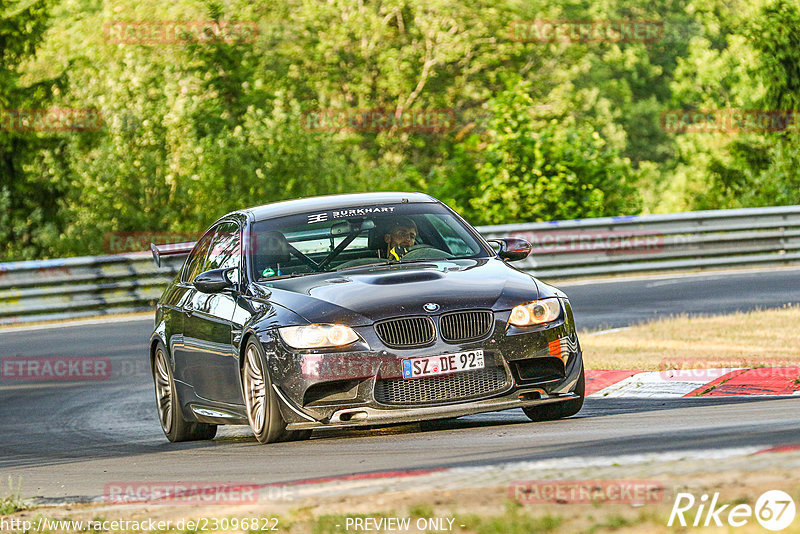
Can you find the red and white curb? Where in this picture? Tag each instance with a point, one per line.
(651, 464)
(726, 382)
(608, 467)
(496, 475)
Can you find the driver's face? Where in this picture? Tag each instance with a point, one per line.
(402, 236)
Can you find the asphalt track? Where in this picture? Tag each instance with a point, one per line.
(67, 440)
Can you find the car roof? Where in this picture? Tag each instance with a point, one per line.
(333, 202)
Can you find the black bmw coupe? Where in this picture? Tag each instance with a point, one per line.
(352, 310)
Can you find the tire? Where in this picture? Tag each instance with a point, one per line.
(175, 427)
(559, 410)
(261, 401)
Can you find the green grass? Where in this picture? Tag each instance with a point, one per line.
(616, 522)
(12, 502)
(421, 510)
(515, 521)
(10, 505)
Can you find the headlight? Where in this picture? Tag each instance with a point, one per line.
(314, 336)
(536, 312)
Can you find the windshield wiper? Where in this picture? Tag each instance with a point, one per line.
(376, 264)
(284, 276)
(420, 260)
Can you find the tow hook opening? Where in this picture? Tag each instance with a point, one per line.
(530, 395)
(353, 416)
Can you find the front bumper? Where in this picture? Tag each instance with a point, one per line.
(367, 415)
(343, 389)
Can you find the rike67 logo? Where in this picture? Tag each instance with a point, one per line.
(774, 510)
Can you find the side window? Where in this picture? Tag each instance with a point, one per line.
(196, 260)
(225, 251)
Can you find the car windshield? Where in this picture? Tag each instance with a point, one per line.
(347, 238)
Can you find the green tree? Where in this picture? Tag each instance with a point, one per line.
(28, 197)
(758, 69)
(547, 169)
(775, 35)
(542, 130)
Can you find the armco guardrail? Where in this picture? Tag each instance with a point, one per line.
(75, 287)
(642, 243)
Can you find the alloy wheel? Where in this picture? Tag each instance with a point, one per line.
(163, 390)
(255, 390)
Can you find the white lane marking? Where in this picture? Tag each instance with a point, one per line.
(669, 282)
(670, 276)
(504, 473)
(668, 383)
(623, 459)
(602, 332)
(103, 319)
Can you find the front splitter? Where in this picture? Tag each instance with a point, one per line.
(363, 416)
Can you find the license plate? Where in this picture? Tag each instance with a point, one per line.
(443, 364)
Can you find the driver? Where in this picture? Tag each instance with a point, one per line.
(401, 236)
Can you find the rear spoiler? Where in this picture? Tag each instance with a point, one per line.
(170, 249)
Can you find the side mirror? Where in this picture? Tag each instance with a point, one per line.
(213, 281)
(512, 248)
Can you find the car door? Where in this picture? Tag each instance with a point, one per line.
(184, 299)
(212, 359)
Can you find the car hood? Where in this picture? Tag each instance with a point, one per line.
(364, 295)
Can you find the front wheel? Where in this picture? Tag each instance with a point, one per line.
(261, 401)
(175, 427)
(559, 410)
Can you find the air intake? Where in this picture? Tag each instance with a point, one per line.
(463, 385)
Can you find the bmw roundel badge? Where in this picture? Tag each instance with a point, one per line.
(431, 307)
